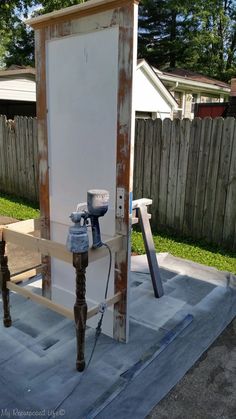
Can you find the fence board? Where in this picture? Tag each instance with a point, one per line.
(173, 172)
(203, 157)
(15, 163)
(229, 231)
(185, 127)
(27, 155)
(139, 159)
(156, 159)
(30, 158)
(222, 180)
(23, 155)
(211, 181)
(4, 155)
(164, 169)
(36, 158)
(195, 136)
(10, 155)
(147, 159)
(18, 154)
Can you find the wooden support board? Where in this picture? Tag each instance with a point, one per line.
(150, 251)
(57, 250)
(141, 215)
(26, 227)
(85, 62)
(59, 308)
(25, 274)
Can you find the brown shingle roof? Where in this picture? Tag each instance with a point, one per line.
(192, 75)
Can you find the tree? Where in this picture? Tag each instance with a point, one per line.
(17, 39)
(162, 28)
(51, 5)
(13, 35)
(214, 38)
(197, 35)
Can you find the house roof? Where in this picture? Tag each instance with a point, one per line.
(17, 70)
(192, 75)
(193, 81)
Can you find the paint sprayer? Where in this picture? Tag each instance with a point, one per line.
(96, 206)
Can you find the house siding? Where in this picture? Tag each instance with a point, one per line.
(148, 98)
(18, 88)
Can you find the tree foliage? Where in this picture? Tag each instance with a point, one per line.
(17, 39)
(198, 35)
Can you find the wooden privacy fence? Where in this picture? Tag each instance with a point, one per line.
(188, 168)
(19, 157)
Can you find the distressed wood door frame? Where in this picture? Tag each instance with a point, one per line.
(89, 17)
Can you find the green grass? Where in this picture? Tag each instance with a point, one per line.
(188, 249)
(18, 208)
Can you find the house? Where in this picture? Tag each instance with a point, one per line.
(151, 97)
(230, 109)
(17, 92)
(189, 88)
(157, 94)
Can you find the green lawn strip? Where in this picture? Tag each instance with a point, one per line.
(187, 249)
(18, 208)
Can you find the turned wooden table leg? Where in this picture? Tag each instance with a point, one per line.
(4, 277)
(80, 263)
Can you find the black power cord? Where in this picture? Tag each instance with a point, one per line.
(97, 334)
(103, 307)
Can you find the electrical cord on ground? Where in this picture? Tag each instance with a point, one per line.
(97, 334)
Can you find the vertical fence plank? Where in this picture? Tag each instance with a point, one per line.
(185, 127)
(2, 157)
(222, 180)
(203, 157)
(173, 173)
(230, 206)
(35, 159)
(30, 162)
(30, 158)
(155, 184)
(5, 157)
(15, 161)
(139, 158)
(147, 160)
(24, 153)
(211, 178)
(164, 170)
(25, 127)
(11, 155)
(18, 153)
(195, 135)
